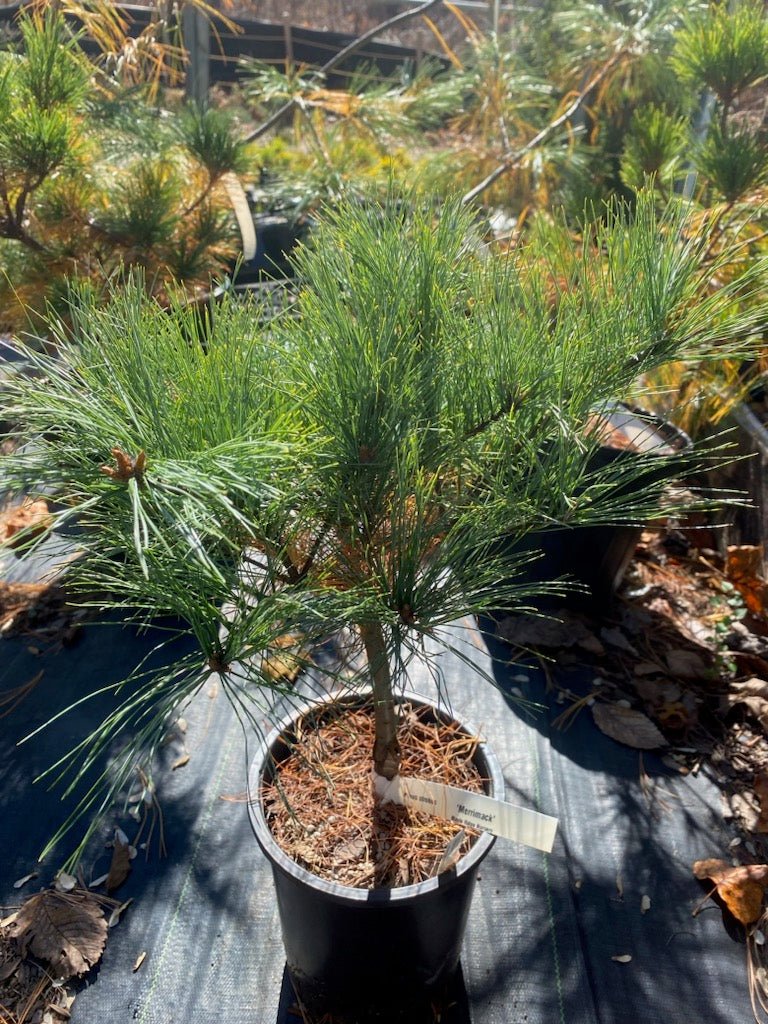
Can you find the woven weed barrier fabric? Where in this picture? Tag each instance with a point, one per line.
(542, 929)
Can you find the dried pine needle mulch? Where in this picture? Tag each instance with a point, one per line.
(28, 993)
(322, 813)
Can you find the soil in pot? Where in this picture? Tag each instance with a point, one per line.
(321, 811)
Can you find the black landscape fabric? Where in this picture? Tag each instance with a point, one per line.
(543, 930)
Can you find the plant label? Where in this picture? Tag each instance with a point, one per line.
(508, 821)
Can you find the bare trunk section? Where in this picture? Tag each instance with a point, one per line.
(386, 749)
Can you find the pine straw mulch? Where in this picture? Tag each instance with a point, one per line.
(322, 813)
(28, 992)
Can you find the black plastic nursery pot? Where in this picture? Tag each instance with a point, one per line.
(368, 955)
(277, 235)
(597, 556)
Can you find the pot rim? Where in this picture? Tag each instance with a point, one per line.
(347, 893)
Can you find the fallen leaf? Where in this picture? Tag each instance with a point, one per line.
(139, 961)
(614, 636)
(753, 694)
(180, 762)
(26, 878)
(24, 522)
(627, 726)
(120, 866)
(623, 958)
(658, 691)
(645, 904)
(67, 930)
(532, 631)
(117, 913)
(740, 888)
(754, 687)
(744, 566)
(760, 786)
(283, 662)
(745, 808)
(65, 882)
(686, 664)
(9, 967)
(646, 668)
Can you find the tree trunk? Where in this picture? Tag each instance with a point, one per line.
(386, 749)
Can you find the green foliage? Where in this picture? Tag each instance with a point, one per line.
(724, 49)
(143, 209)
(54, 71)
(210, 136)
(654, 147)
(92, 180)
(367, 457)
(733, 165)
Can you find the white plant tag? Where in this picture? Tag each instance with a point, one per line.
(502, 819)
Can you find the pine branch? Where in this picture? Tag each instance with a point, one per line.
(514, 159)
(339, 58)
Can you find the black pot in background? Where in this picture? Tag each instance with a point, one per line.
(368, 955)
(277, 235)
(598, 556)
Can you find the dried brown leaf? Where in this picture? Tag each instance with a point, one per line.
(117, 913)
(686, 664)
(740, 888)
(20, 882)
(9, 967)
(24, 522)
(627, 726)
(744, 565)
(67, 930)
(753, 694)
(180, 762)
(616, 638)
(120, 866)
(539, 631)
(754, 687)
(760, 786)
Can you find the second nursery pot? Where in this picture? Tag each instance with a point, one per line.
(368, 954)
(598, 556)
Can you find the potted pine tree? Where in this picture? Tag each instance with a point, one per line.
(353, 464)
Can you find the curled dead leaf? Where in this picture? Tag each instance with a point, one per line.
(623, 958)
(26, 878)
(180, 762)
(117, 913)
(120, 866)
(744, 565)
(139, 961)
(24, 522)
(760, 786)
(740, 888)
